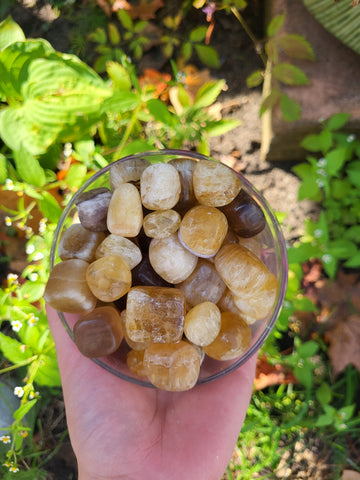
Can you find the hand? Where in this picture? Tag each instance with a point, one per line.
(119, 430)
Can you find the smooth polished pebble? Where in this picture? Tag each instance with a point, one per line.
(233, 340)
(118, 245)
(135, 362)
(202, 323)
(78, 242)
(214, 183)
(67, 289)
(202, 230)
(144, 274)
(185, 167)
(92, 207)
(99, 332)
(138, 346)
(126, 171)
(172, 367)
(161, 223)
(109, 278)
(160, 186)
(155, 314)
(170, 259)
(125, 215)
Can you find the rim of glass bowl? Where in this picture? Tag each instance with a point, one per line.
(274, 226)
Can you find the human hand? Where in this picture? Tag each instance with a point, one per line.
(119, 430)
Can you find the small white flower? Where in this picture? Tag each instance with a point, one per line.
(322, 162)
(21, 225)
(350, 138)
(5, 438)
(322, 172)
(33, 277)
(16, 325)
(8, 221)
(38, 256)
(9, 184)
(317, 233)
(326, 258)
(32, 320)
(28, 232)
(13, 469)
(30, 249)
(67, 150)
(33, 395)
(343, 426)
(12, 278)
(19, 392)
(320, 182)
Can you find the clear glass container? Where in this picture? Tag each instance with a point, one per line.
(272, 253)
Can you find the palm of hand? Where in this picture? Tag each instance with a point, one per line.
(122, 431)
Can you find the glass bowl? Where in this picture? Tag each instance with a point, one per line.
(272, 253)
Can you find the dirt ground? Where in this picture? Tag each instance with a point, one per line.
(239, 148)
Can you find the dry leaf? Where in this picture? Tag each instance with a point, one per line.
(344, 341)
(350, 475)
(145, 9)
(268, 375)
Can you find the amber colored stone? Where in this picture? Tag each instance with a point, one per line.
(109, 278)
(135, 362)
(202, 230)
(244, 215)
(240, 269)
(226, 303)
(160, 186)
(67, 289)
(138, 346)
(117, 245)
(233, 340)
(202, 323)
(161, 223)
(78, 242)
(204, 284)
(127, 171)
(172, 367)
(214, 183)
(125, 214)
(252, 244)
(144, 274)
(185, 167)
(92, 207)
(170, 259)
(99, 332)
(155, 314)
(258, 304)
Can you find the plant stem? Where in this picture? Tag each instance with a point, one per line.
(129, 127)
(18, 365)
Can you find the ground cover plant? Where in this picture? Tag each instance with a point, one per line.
(307, 387)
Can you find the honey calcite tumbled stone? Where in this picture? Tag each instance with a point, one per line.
(214, 183)
(155, 314)
(109, 278)
(117, 245)
(78, 242)
(185, 167)
(233, 340)
(160, 186)
(127, 171)
(99, 332)
(67, 289)
(125, 214)
(202, 323)
(92, 207)
(172, 367)
(137, 346)
(170, 259)
(135, 362)
(161, 223)
(240, 269)
(202, 230)
(204, 284)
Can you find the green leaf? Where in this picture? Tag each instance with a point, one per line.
(303, 252)
(198, 34)
(324, 421)
(3, 169)
(220, 127)
(10, 32)
(76, 175)
(119, 76)
(340, 189)
(208, 55)
(304, 304)
(269, 102)
(32, 291)
(312, 143)
(353, 172)
(48, 372)
(186, 51)
(29, 169)
(309, 189)
(98, 36)
(330, 265)
(24, 409)
(290, 109)
(324, 393)
(160, 111)
(289, 74)
(335, 160)
(353, 233)
(208, 93)
(337, 121)
(121, 102)
(342, 249)
(304, 375)
(295, 46)
(125, 20)
(183, 96)
(307, 349)
(345, 413)
(13, 350)
(114, 35)
(275, 25)
(255, 79)
(354, 261)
